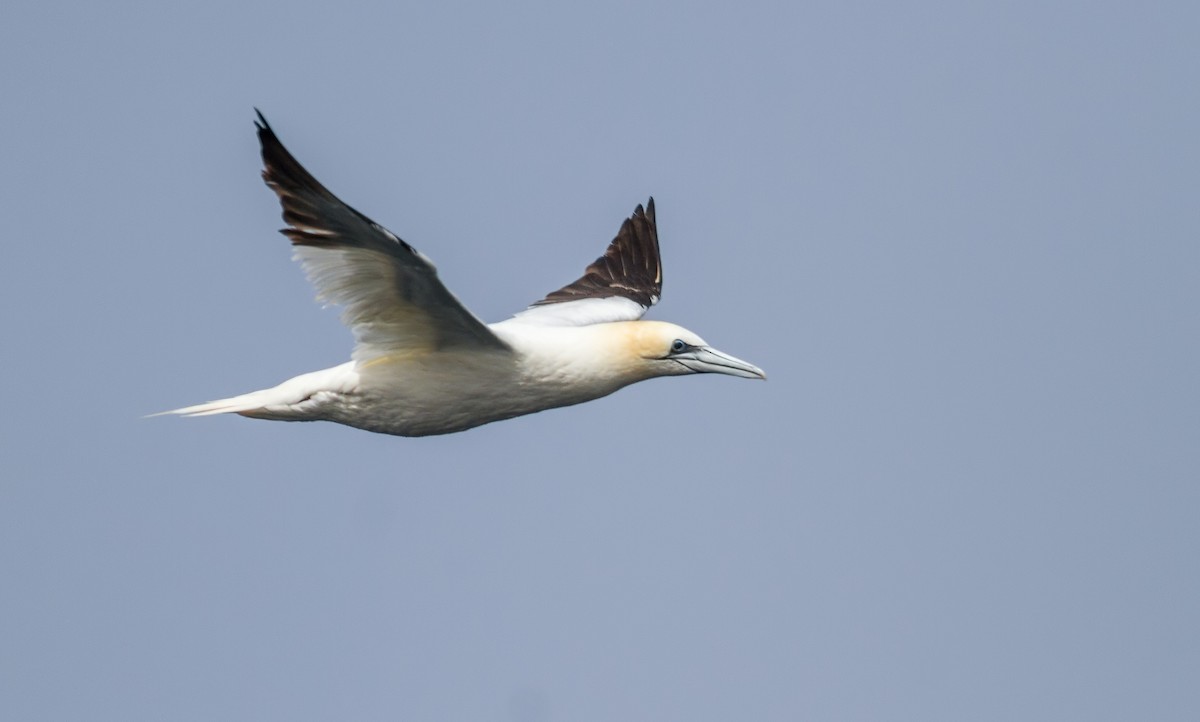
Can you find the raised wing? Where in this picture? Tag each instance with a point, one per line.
(621, 285)
(392, 298)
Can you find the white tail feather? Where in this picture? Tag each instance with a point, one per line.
(232, 405)
(289, 400)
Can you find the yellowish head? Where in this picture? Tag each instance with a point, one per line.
(657, 348)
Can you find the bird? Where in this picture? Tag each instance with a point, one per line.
(423, 364)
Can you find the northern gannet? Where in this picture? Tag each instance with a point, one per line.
(423, 364)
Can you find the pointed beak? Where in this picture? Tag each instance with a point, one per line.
(705, 360)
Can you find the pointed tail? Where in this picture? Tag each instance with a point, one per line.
(255, 400)
(291, 400)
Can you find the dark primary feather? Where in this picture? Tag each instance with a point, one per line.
(631, 266)
(400, 297)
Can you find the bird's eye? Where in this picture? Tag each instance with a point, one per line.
(678, 346)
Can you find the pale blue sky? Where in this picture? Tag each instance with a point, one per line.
(962, 240)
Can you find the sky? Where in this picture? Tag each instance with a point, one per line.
(961, 239)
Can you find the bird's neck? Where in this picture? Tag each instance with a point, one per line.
(592, 360)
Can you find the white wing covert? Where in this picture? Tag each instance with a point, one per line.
(391, 296)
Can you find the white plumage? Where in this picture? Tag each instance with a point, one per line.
(423, 364)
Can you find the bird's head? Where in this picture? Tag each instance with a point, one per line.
(658, 348)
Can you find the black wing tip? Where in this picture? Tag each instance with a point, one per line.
(278, 162)
(294, 185)
(631, 266)
(266, 134)
(646, 211)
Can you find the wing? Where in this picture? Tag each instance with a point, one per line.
(390, 291)
(621, 285)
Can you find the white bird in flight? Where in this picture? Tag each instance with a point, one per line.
(423, 364)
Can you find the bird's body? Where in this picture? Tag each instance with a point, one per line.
(424, 365)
